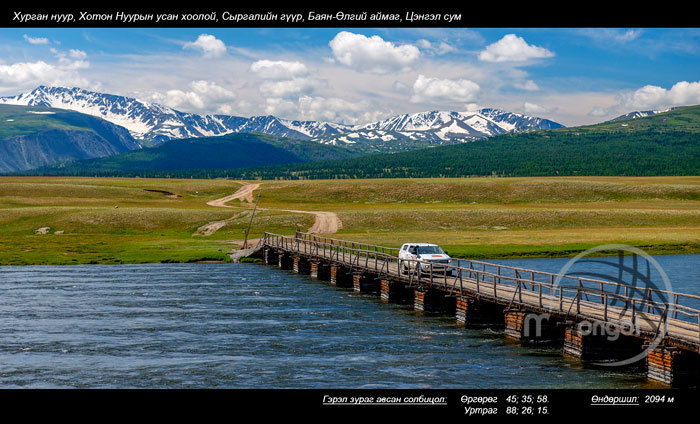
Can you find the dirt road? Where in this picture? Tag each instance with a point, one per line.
(325, 223)
(243, 193)
(214, 226)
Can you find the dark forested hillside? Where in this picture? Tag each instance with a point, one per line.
(207, 154)
(664, 144)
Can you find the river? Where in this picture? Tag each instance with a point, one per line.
(255, 326)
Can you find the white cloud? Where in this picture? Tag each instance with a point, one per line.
(202, 96)
(209, 45)
(472, 107)
(334, 110)
(424, 44)
(400, 87)
(283, 80)
(372, 54)
(531, 108)
(212, 91)
(608, 35)
(37, 40)
(512, 48)
(22, 72)
(682, 93)
(77, 54)
(320, 109)
(278, 69)
(73, 60)
(281, 108)
(528, 85)
(289, 88)
(434, 89)
(435, 48)
(598, 112)
(62, 73)
(629, 35)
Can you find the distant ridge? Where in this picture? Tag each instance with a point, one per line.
(661, 144)
(31, 137)
(153, 124)
(639, 114)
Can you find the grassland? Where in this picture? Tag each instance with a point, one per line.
(132, 220)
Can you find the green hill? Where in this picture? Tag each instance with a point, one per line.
(663, 144)
(200, 157)
(31, 137)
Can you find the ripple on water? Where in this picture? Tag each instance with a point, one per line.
(248, 326)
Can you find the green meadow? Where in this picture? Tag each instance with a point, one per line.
(71, 220)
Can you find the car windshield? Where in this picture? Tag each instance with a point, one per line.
(427, 250)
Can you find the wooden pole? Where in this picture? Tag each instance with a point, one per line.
(245, 242)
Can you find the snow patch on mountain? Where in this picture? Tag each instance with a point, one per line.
(638, 114)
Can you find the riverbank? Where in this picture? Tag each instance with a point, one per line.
(59, 221)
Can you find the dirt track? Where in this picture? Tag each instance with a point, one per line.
(214, 226)
(325, 223)
(243, 193)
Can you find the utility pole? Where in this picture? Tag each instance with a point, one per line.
(245, 242)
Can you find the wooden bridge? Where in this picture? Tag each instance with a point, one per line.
(605, 322)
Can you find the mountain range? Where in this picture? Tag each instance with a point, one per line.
(52, 126)
(665, 143)
(661, 144)
(152, 124)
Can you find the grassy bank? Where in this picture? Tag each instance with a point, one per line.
(133, 220)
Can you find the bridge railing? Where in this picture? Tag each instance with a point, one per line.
(612, 301)
(313, 238)
(574, 300)
(377, 258)
(654, 299)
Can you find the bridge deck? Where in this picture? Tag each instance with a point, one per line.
(644, 311)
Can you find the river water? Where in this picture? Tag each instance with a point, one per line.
(255, 326)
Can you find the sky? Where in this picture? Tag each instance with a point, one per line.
(574, 76)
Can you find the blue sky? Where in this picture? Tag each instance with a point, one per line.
(574, 76)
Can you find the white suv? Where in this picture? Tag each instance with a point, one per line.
(424, 252)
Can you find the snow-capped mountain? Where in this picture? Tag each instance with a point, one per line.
(148, 122)
(639, 114)
(438, 127)
(153, 124)
(306, 130)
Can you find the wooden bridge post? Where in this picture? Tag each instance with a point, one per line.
(301, 265)
(364, 282)
(673, 366)
(393, 291)
(589, 341)
(284, 260)
(320, 270)
(473, 312)
(270, 256)
(533, 328)
(340, 276)
(433, 301)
